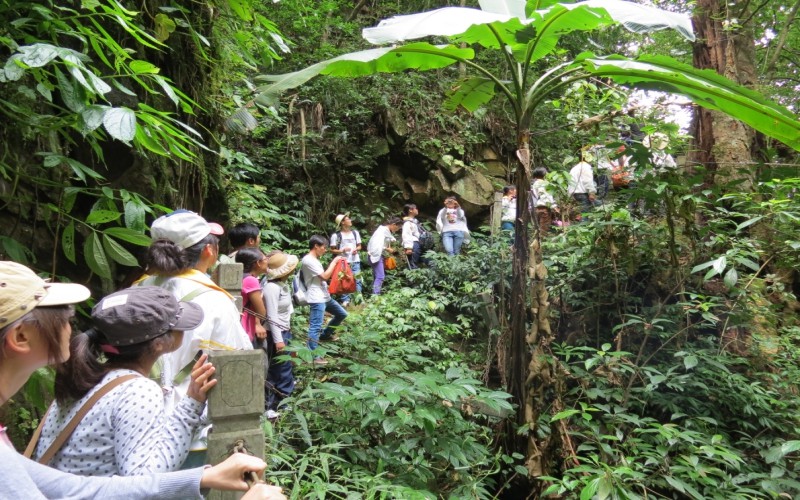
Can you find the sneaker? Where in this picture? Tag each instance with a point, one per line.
(271, 414)
(346, 304)
(320, 361)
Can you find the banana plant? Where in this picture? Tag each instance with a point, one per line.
(523, 34)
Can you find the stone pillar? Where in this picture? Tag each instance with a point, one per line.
(236, 403)
(229, 277)
(235, 407)
(496, 213)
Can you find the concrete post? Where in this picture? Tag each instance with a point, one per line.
(235, 407)
(236, 404)
(496, 213)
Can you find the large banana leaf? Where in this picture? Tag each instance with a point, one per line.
(420, 56)
(704, 87)
(586, 15)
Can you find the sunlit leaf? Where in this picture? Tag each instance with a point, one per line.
(120, 123)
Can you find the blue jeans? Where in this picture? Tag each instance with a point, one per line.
(280, 376)
(316, 315)
(378, 275)
(452, 241)
(356, 268)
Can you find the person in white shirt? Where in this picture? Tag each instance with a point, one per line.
(380, 242)
(509, 209)
(581, 186)
(346, 242)
(320, 301)
(451, 222)
(185, 247)
(410, 236)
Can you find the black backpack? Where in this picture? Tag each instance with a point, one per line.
(426, 240)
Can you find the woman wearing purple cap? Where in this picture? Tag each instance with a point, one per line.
(35, 332)
(126, 432)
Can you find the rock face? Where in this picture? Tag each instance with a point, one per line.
(426, 178)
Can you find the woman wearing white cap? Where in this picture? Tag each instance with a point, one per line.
(126, 432)
(34, 332)
(185, 247)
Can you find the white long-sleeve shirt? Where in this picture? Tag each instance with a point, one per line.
(125, 433)
(381, 238)
(410, 233)
(582, 179)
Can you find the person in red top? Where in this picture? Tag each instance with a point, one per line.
(255, 265)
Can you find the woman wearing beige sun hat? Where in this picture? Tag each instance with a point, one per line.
(277, 293)
(35, 332)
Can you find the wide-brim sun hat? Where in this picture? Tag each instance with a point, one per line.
(141, 313)
(340, 218)
(184, 228)
(280, 265)
(21, 291)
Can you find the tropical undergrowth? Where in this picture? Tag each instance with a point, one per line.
(403, 411)
(676, 347)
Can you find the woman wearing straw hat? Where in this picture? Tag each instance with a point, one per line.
(277, 295)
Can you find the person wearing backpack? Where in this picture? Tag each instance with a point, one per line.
(315, 277)
(346, 242)
(412, 236)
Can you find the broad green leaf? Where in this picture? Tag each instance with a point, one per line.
(419, 56)
(118, 253)
(91, 118)
(143, 67)
(588, 491)
(167, 88)
(704, 87)
(129, 235)
(134, 215)
(120, 123)
(38, 54)
(82, 171)
(95, 256)
(164, 26)
(13, 71)
(689, 362)
(513, 8)
(71, 93)
(778, 452)
(471, 94)
(242, 8)
(731, 277)
(102, 216)
(720, 264)
(447, 21)
(15, 250)
(68, 241)
(564, 414)
(749, 222)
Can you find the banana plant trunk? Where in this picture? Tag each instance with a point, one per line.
(529, 372)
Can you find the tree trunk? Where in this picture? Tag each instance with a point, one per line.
(528, 370)
(723, 145)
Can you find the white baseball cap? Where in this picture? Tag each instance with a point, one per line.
(184, 228)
